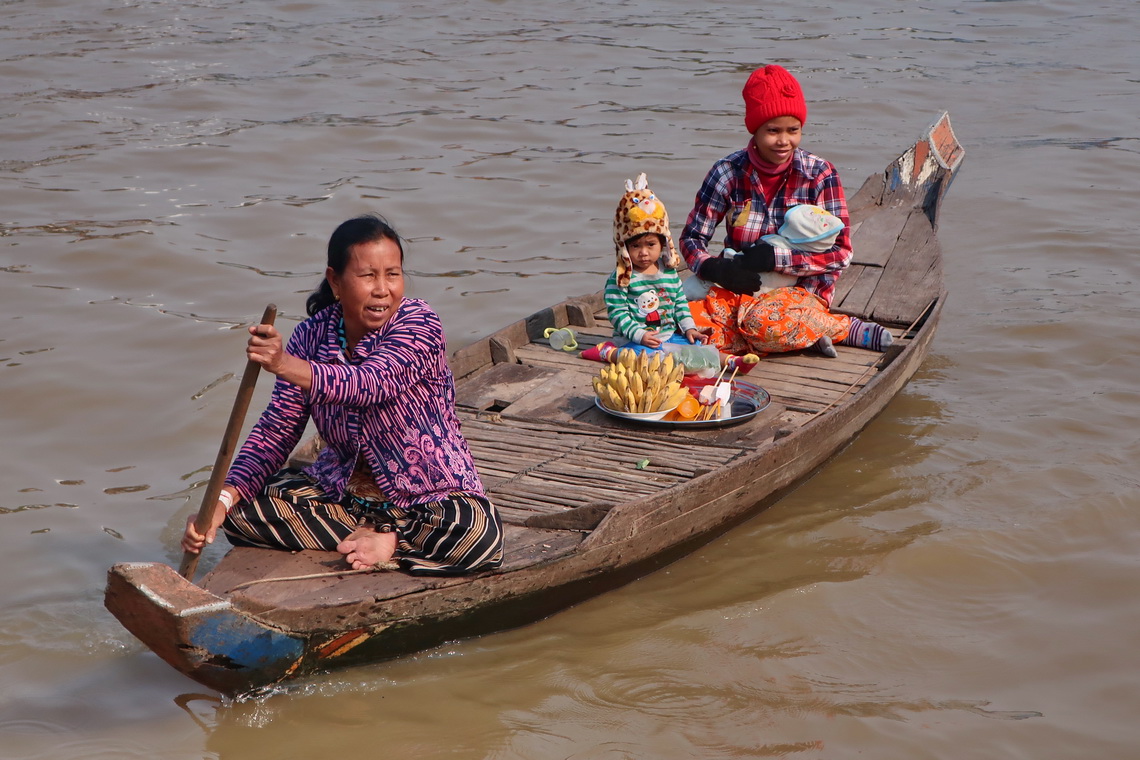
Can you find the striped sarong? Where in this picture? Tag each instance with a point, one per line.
(459, 534)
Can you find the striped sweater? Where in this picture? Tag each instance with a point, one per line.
(671, 315)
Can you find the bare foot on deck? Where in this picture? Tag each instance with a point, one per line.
(365, 548)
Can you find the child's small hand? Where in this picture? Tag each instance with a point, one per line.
(696, 336)
(650, 339)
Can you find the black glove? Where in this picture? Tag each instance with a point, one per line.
(759, 257)
(730, 275)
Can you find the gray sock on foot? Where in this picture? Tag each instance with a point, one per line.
(825, 346)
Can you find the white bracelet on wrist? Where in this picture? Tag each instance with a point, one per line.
(226, 498)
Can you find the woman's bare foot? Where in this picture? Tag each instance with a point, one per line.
(365, 548)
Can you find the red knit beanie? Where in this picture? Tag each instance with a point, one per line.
(769, 93)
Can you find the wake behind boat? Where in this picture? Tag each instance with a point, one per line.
(589, 500)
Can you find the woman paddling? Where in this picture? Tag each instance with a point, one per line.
(395, 479)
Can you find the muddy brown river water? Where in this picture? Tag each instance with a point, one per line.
(960, 582)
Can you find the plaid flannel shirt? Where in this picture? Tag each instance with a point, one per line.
(733, 181)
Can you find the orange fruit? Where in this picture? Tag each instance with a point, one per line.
(688, 408)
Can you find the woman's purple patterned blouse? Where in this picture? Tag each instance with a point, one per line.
(393, 402)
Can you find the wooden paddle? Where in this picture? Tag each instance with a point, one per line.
(225, 453)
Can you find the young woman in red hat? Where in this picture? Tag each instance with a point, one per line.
(751, 190)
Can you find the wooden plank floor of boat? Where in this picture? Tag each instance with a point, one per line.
(543, 448)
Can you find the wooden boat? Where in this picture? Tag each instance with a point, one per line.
(589, 500)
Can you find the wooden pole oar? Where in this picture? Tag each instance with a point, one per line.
(225, 453)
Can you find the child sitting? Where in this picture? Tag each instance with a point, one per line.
(644, 297)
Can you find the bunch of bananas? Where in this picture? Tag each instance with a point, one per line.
(641, 382)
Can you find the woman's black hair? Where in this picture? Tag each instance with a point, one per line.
(368, 228)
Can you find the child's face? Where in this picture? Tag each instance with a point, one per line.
(644, 251)
(777, 139)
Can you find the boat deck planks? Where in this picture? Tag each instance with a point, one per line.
(540, 467)
(543, 447)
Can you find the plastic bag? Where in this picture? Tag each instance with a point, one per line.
(696, 357)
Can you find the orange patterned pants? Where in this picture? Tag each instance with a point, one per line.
(785, 319)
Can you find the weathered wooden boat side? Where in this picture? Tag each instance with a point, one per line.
(581, 515)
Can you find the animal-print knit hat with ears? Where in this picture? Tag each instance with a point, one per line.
(639, 212)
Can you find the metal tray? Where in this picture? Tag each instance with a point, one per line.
(747, 400)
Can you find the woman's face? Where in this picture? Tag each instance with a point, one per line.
(777, 139)
(371, 287)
